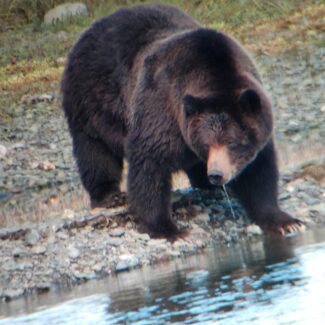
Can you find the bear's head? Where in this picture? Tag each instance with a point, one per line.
(227, 130)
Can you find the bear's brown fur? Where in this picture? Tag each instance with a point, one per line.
(150, 84)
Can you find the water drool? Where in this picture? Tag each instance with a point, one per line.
(229, 202)
(242, 260)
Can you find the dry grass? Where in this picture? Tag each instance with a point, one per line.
(31, 61)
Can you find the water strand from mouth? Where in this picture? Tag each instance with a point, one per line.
(233, 216)
(229, 202)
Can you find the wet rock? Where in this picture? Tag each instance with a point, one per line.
(12, 294)
(254, 230)
(197, 277)
(43, 287)
(121, 267)
(84, 275)
(32, 236)
(129, 259)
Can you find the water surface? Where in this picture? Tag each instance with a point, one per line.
(275, 281)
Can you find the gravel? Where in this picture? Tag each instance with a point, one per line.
(49, 236)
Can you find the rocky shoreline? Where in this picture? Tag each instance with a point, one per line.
(81, 246)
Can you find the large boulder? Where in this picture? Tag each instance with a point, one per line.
(64, 12)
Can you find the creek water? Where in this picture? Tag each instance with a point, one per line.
(271, 281)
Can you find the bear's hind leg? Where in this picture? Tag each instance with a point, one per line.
(100, 171)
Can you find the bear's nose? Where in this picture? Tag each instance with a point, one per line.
(215, 177)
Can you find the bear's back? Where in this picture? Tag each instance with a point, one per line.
(99, 66)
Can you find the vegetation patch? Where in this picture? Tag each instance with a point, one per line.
(32, 56)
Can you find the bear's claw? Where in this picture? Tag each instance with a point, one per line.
(281, 223)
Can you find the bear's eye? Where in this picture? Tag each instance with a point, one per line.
(243, 145)
(244, 142)
(191, 105)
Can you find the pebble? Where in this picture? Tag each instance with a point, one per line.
(84, 275)
(18, 252)
(32, 237)
(284, 196)
(254, 230)
(3, 151)
(67, 213)
(139, 236)
(117, 232)
(203, 217)
(174, 253)
(320, 208)
(12, 294)
(62, 235)
(73, 252)
(180, 245)
(10, 265)
(39, 250)
(114, 242)
(121, 267)
(126, 257)
(157, 242)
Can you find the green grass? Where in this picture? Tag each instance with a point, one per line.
(32, 56)
(38, 41)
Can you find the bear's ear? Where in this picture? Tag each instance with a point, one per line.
(191, 104)
(250, 101)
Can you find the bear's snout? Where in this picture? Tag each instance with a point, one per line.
(219, 167)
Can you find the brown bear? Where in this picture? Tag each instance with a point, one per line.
(149, 84)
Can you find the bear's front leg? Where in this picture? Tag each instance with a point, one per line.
(149, 189)
(257, 189)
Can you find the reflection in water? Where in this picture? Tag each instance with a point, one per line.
(278, 281)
